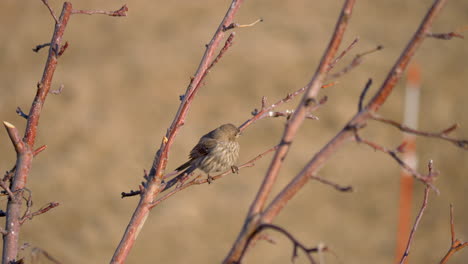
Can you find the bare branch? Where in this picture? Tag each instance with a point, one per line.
(121, 12)
(343, 53)
(444, 36)
(154, 184)
(332, 184)
(416, 223)
(39, 47)
(456, 244)
(20, 112)
(42, 210)
(236, 25)
(363, 94)
(461, 143)
(423, 178)
(130, 193)
(293, 125)
(46, 3)
(296, 244)
(358, 59)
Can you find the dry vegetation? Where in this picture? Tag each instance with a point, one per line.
(123, 78)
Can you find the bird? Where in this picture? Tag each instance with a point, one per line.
(216, 151)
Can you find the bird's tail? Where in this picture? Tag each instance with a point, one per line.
(188, 169)
(184, 166)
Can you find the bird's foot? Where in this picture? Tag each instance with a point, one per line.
(209, 179)
(235, 169)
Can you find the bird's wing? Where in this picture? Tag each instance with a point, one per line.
(204, 146)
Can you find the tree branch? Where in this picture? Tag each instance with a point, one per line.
(121, 12)
(456, 244)
(155, 176)
(290, 131)
(461, 143)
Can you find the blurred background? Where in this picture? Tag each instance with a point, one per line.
(123, 78)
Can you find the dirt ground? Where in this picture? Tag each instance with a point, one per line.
(123, 78)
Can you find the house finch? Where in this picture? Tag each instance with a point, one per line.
(215, 152)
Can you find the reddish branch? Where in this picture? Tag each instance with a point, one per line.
(259, 215)
(430, 175)
(445, 36)
(121, 12)
(332, 184)
(393, 153)
(358, 59)
(24, 146)
(296, 244)
(456, 244)
(29, 215)
(293, 125)
(154, 184)
(462, 143)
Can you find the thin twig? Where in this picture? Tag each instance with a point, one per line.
(392, 153)
(461, 143)
(296, 244)
(121, 12)
(46, 3)
(456, 244)
(444, 36)
(39, 47)
(363, 94)
(416, 223)
(42, 210)
(236, 25)
(343, 53)
(358, 59)
(20, 112)
(338, 187)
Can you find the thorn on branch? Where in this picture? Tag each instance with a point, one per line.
(131, 193)
(2, 213)
(236, 25)
(363, 94)
(63, 48)
(39, 47)
(39, 150)
(21, 113)
(120, 13)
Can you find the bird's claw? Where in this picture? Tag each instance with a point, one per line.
(235, 169)
(209, 179)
